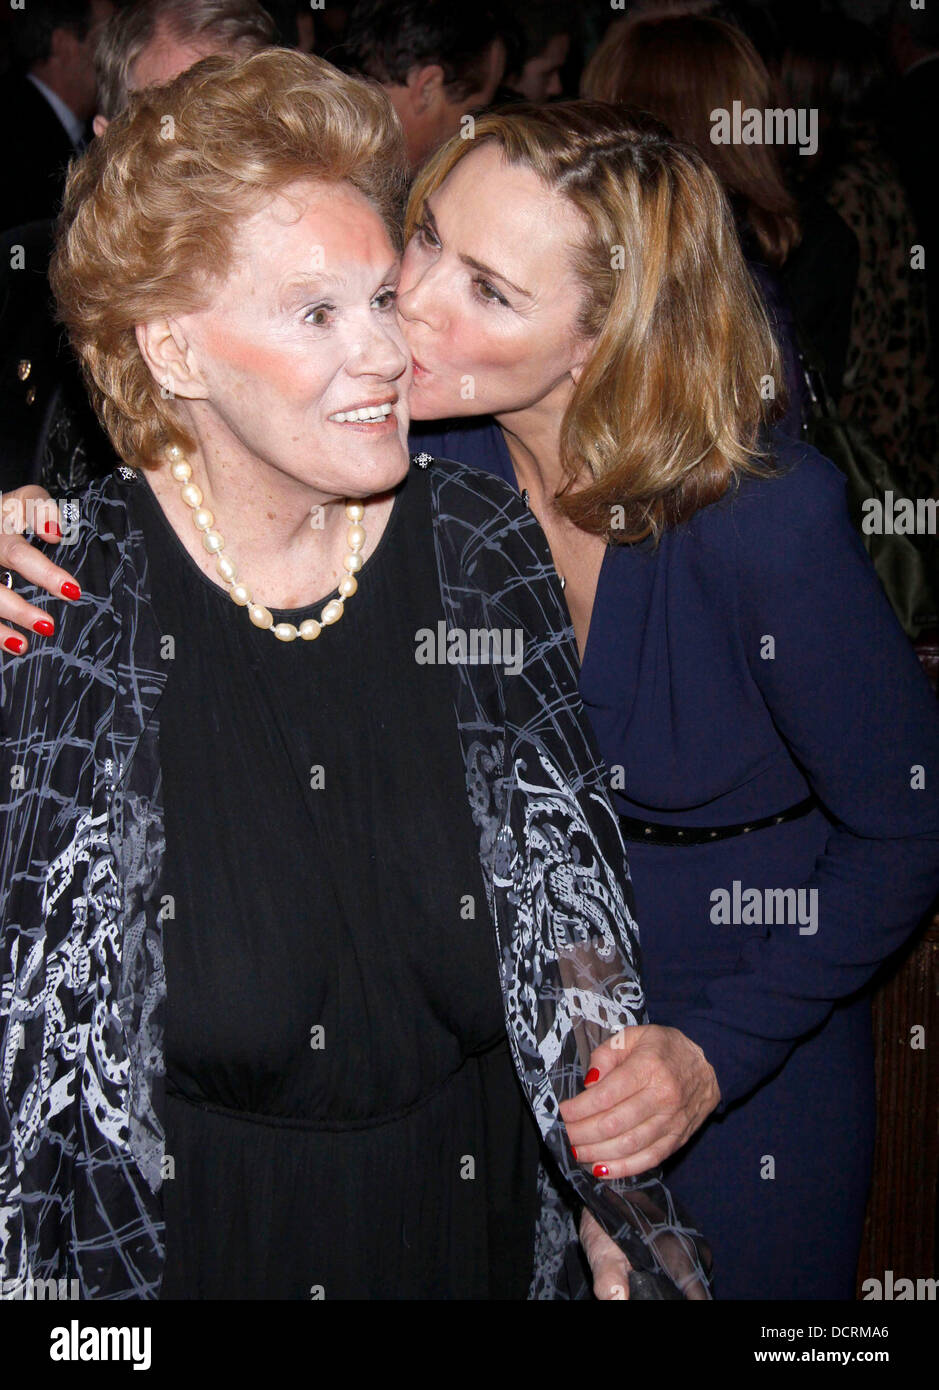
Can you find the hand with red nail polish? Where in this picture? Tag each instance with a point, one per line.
(648, 1089)
(25, 509)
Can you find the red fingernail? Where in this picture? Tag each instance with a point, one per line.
(600, 1170)
(592, 1076)
(573, 1151)
(14, 644)
(44, 625)
(70, 590)
(51, 528)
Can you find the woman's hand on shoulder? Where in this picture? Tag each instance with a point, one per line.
(29, 509)
(648, 1089)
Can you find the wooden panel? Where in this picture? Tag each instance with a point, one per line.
(900, 1231)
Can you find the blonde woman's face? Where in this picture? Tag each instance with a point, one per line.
(302, 332)
(488, 298)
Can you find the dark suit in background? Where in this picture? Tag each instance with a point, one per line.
(37, 149)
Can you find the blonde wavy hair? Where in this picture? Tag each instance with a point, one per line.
(670, 404)
(152, 209)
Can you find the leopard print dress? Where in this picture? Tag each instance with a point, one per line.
(887, 384)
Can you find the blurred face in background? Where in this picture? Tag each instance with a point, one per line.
(161, 59)
(540, 78)
(426, 109)
(165, 56)
(70, 68)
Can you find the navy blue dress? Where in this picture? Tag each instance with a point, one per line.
(747, 662)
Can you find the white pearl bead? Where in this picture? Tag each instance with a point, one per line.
(259, 615)
(174, 453)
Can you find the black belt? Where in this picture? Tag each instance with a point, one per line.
(655, 833)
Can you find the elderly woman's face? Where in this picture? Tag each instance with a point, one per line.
(302, 333)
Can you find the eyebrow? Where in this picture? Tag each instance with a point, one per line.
(321, 279)
(478, 265)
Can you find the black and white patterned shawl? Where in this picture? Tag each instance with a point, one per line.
(81, 846)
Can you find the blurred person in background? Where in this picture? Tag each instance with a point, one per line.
(680, 69)
(48, 434)
(887, 386)
(46, 108)
(543, 33)
(436, 60)
(297, 24)
(153, 41)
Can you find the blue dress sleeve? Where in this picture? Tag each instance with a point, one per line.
(845, 691)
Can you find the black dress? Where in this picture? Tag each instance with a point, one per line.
(343, 1114)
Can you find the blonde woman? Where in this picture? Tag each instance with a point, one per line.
(575, 273)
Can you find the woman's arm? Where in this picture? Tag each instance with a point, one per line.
(847, 696)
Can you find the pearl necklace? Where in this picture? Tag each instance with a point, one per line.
(238, 592)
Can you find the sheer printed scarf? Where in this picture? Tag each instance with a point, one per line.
(556, 875)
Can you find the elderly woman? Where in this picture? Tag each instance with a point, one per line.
(259, 1039)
